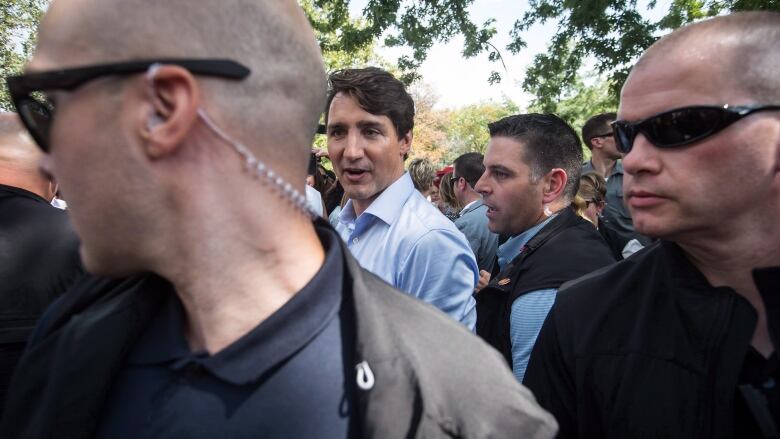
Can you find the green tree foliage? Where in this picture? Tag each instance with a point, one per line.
(430, 125)
(583, 97)
(17, 21)
(414, 24)
(467, 126)
(613, 32)
(335, 55)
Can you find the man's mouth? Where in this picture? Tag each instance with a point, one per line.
(642, 198)
(490, 209)
(354, 174)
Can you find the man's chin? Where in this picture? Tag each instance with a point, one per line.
(494, 227)
(358, 193)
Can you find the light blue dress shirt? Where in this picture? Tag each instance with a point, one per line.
(529, 310)
(406, 241)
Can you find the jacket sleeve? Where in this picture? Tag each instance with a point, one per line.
(550, 378)
(469, 230)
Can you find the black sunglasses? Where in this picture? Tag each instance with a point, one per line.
(682, 126)
(37, 112)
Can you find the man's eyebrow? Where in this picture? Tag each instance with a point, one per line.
(501, 168)
(361, 124)
(369, 124)
(335, 125)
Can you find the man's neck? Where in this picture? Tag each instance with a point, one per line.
(468, 198)
(29, 182)
(602, 164)
(729, 258)
(360, 206)
(230, 284)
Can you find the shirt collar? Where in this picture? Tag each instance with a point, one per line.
(10, 191)
(266, 346)
(387, 205)
(471, 206)
(511, 248)
(618, 168)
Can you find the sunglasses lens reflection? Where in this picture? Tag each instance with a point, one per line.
(683, 126)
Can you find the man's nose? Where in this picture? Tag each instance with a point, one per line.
(353, 147)
(482, 187)
(643, 157)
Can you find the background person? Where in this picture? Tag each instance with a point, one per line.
(423, 172)
(448, 203)
(531, 176)
(606, 160)
(39, 256)
(472, 220)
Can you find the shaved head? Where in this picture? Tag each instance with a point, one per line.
(17, 149)
(274, 111)
(747, 46)
(19, 158)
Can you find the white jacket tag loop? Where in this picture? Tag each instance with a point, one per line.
(365, 377)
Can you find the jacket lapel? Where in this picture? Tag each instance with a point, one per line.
(393, 386)
(474, 207)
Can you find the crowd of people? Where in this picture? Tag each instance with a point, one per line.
(211, 278)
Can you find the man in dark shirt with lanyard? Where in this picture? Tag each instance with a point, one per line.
(181, 136)
(680, 340)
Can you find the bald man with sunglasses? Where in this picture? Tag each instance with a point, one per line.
(680, 340)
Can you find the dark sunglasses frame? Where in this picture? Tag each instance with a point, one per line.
(626, 132)
(34, 113)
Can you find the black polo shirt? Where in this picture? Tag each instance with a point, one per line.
(291, 376)
(762, 375)
(39, 261)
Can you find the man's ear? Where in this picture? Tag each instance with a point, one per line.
(405, 143)
(459, 183)
(554, 184)
(172, 99)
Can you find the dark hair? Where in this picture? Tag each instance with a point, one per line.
(470, 166)
(377, 92)
(549, 142)
(596, 126)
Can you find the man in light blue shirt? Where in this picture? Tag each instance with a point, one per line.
(390, 228)
(531, 175)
